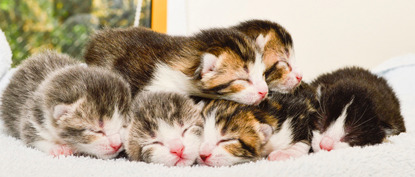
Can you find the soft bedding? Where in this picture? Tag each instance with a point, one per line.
(396, 158)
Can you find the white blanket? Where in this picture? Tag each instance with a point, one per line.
(391, 159)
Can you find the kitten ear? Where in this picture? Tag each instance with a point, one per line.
(60, 110)
(209, 63)
(261, 41)
(319, 92)
(266, 131)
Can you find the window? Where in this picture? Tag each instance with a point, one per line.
(63, 25)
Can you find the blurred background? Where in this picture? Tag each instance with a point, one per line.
(327, 34)
(31, 26)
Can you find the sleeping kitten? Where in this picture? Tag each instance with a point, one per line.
(59, 107)
(236, 133)
(215, 63)
(293, 114)
(232, 134)
(276, 43)
(358, 108)
(166, 129)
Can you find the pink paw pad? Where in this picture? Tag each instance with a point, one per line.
(61, 150)
(279, 156)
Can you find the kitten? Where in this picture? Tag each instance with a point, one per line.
(358, 108)
(232, 134)
(60, 107)
(293, 113)
(215, 63)
(236, 133)
(282, 74)
(166, 129)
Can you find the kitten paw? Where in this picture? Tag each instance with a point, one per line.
(59, 150)
(297, 150)
(279, 156)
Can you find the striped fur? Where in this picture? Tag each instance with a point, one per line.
(216, 63)
(60, 107)
(161, 123)
(282, 74)
(278, 128)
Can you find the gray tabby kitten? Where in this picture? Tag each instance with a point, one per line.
(166, 128)
(60, 107)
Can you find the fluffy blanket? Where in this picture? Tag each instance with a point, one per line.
(396, 158)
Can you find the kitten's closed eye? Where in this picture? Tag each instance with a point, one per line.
(227, 140)
(184, 131)
(95, 131)
(195, 129)
(283, 65)
(156, 143)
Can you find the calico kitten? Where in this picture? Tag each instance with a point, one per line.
(358, 108)
(236, 133)
(60, 107)
(215, 63)
(282, 74)
(166, 129)
(232, 134)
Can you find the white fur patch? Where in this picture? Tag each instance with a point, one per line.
(261, 41)
(167, 134)
(335, 131)
(318, 92)
(250, 95)
(210, 62)
(256, 71)
(170, 80)
(281, 139)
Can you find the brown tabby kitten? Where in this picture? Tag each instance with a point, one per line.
(281, 73)
(215, 63)
(236, 133)
(358, 108)
(166, 129)
(60, 107)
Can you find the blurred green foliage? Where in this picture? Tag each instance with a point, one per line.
(31, 26)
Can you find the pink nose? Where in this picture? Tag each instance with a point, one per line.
(177, 149)
(263, 94)
(327, 143)
(204, 157)
(299, 78)
(116, 147)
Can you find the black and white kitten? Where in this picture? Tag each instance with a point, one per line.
(357, 108)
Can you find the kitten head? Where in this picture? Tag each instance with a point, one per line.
(231, 67)
(166, 129)
(348, 118)
(87, 108)
(232, 134)
(282, 74)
